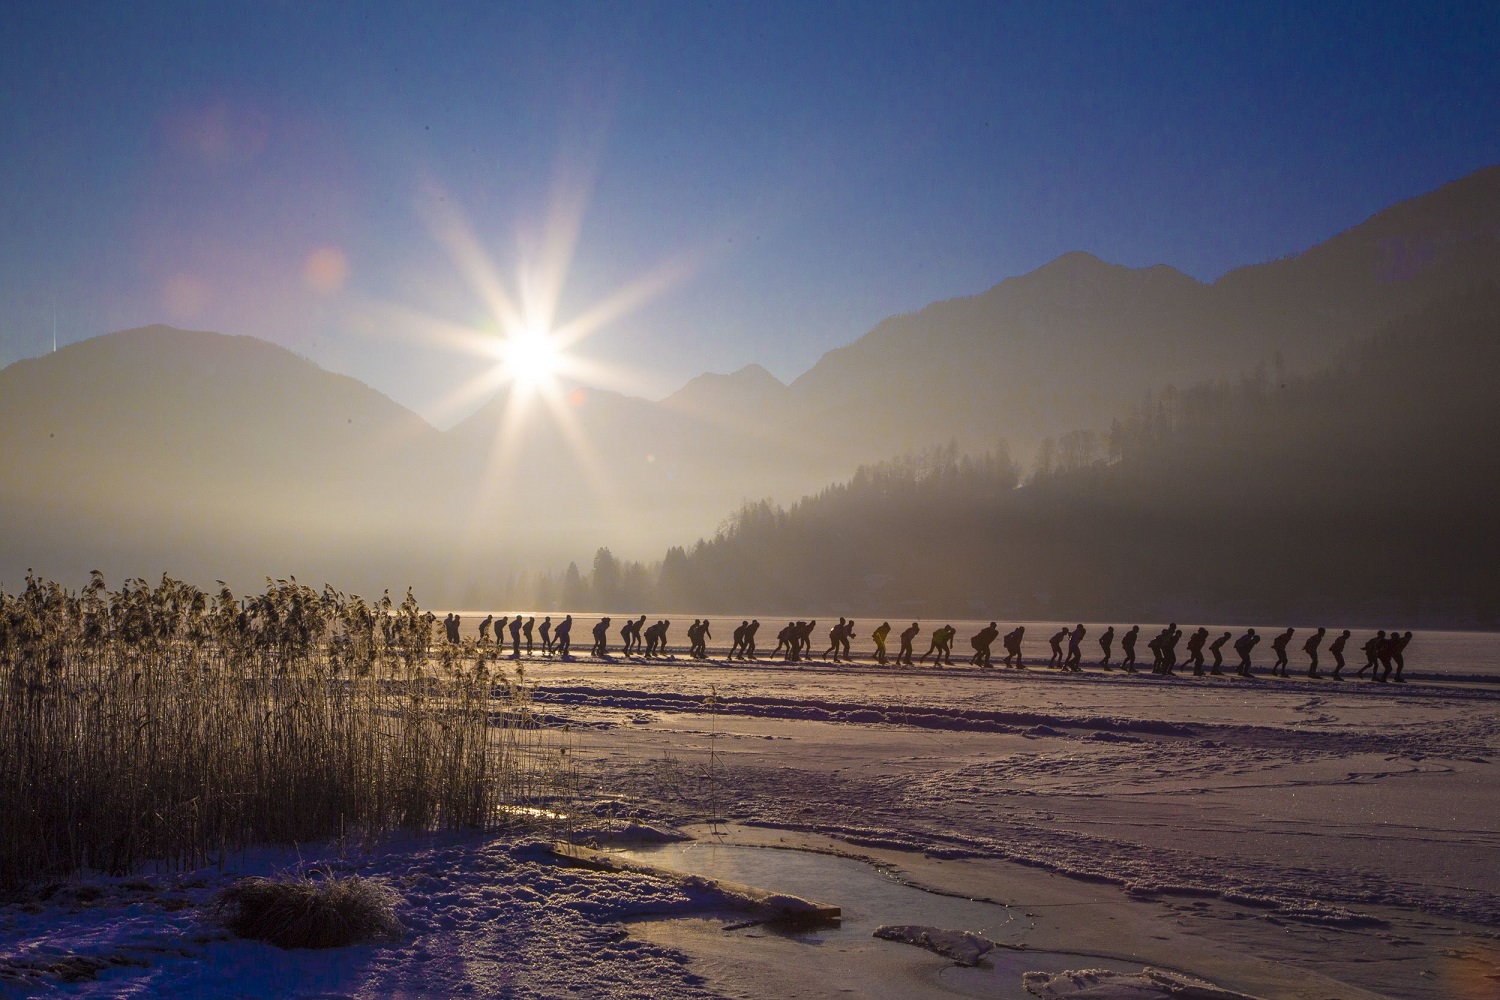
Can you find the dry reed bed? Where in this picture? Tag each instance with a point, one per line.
(165, 725)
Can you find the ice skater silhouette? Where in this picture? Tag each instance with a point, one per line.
(1310, 647)
(1127, 648)
(934, 645)
(1371, 649)
(1398, 653)
(1278, 645)
(661, 638)
(1384, 652)
(907, 637)
(1164, 649)
(835, 640)
(1169, 648)
(601, 638)
(1217, 648)
(1244, 645)
(942, 645)
(981, 642)
(1056, 659)
(946, 646)
(1195, 650)
(784, 640)
(1012, 644)
(1336, 650)
(1074, 659)
(804, 639)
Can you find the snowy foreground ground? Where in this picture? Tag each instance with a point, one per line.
(1299, 838)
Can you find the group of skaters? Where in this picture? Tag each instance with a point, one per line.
(637, 638)
(1384, 652)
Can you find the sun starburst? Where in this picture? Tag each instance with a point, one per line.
(532, 365)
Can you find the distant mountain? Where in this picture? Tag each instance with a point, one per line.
(1067, 345)
(161, 449)
(1077, 341)
(741, 398)
(199, 453)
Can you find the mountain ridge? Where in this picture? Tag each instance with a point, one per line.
(136, 434)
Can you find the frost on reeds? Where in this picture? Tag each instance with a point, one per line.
(310, 910)
(165, 725)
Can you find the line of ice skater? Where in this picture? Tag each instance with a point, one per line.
(1384, 652)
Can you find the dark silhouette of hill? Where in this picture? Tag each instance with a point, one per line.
(1364, 491)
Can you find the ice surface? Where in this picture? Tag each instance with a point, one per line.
(1149, 984)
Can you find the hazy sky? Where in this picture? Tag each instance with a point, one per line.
(791, 173)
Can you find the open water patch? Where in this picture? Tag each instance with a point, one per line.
(870, 898)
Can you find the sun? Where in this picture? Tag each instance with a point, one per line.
(532, 356)
(531, 365)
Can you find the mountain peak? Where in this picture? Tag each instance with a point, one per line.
(752, 379)
(1074, 261)
(744, 391)
(1080, 265)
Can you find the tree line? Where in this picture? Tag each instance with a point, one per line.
(1362, 489)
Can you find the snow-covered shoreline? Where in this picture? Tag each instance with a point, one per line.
(1256, 836)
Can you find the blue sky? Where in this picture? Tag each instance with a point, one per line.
(800, 170)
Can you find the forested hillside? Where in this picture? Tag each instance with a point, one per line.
(1366, 489)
